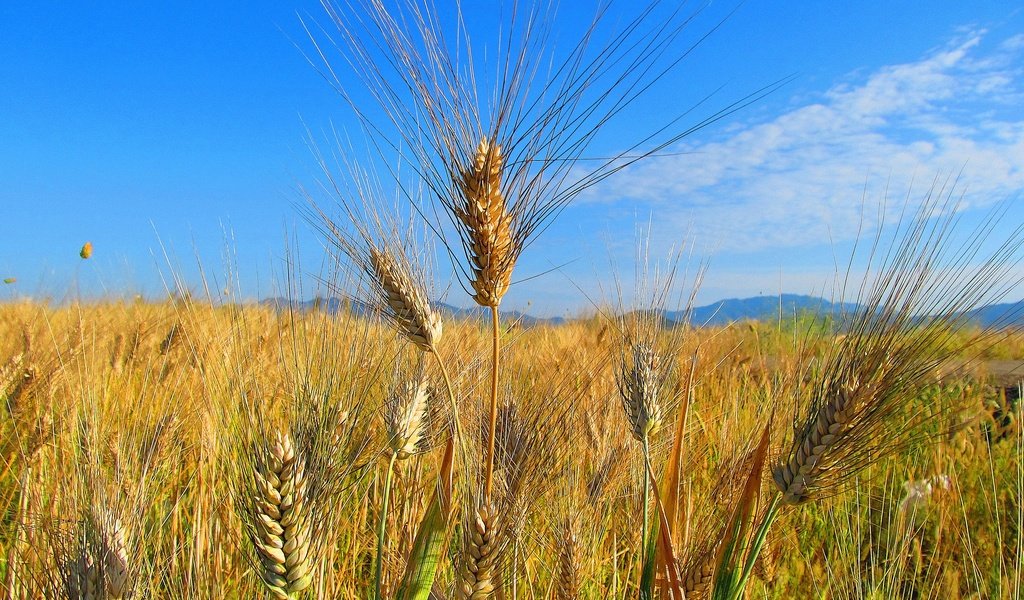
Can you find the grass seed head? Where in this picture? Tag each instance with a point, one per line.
(488, 228)
(404, 301)
(638, 381)
(281, 532)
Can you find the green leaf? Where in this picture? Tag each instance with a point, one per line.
(431, 537)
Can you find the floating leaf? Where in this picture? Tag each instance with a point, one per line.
(86, 250)
(10, 280)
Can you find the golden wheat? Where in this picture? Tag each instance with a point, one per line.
(639, 381)
(282, 536)
(488, 224)
(407, 303)
(480, 555)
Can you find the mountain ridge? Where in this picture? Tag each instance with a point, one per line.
(718, 313)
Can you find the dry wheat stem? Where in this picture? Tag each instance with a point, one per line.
(382, 527)
(493, 414)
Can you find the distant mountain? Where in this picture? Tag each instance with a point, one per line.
(759, 308)
(998, 315)
(335, 305)
(479, 313)
(328, 305)
(719, 313)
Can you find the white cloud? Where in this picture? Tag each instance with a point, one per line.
(799, 178)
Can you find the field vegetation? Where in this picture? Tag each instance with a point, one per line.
(131, 430)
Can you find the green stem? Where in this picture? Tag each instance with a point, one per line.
(515, 568)
(756, 544)
(615, 565)
(643, 529)
(382, 526)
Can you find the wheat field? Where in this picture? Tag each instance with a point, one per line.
(129, 430)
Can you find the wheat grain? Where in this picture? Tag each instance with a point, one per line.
(796, 477)
(114, 556)
(638, 382)
(699, 575)
(568, 585)
(101, 568)
(406, 412)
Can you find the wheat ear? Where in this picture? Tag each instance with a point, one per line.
(406, 412)
(568, 585)
(485, 215)
(282, 533)
(638, 383)
(797, 476)
(480, 556)
(698, 579)
(84, 578)
(405, 419)
(411, 311)
(102, 567)
(113, 556)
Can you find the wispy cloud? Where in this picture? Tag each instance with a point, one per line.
(799, 178)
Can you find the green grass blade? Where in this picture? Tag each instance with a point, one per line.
(431, 538)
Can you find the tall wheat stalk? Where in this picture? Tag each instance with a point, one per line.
(499, 172)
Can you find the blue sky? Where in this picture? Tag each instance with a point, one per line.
(149, 127)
